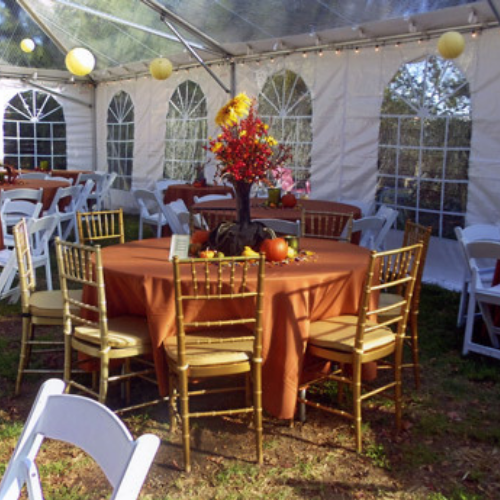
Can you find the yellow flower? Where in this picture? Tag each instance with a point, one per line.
(216, 147)
(236, 108)
(272, 141)
(243, 133)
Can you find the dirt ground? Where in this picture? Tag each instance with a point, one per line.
(316, 460)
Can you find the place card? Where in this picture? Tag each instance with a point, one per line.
(179, 246)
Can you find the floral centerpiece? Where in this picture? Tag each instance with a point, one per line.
(245, 154)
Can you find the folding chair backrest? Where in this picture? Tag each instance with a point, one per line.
(235, 283)
(390, 215)
(211, 197)
(84, 423)
(34, 195)
(369, 227)
(282, 227)
(162, 185)
(178, 217)
(330, 225)
(12, 211)
(479, 250)
(101, 225)
(481, 232)
(34, 175)
(148, 201)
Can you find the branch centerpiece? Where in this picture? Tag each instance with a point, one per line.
(246, 154)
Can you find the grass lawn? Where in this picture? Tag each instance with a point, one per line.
(449, 448)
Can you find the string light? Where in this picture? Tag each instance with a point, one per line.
(473, 34)
(337, 51)
(377, 48)
(356, 50)
(304, 55)
(320, 53)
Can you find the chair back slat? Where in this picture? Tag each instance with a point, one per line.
(101, 226)
(324, 224)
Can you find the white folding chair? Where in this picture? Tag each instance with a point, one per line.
(69, 180)
(390, 215)
(84, 423)
(102, 187)
(370, 228)
(12, 211)
(178, 217)
(211, 197)
(281, 226)
(66, 216)
(484, 295)
(152, 210)
(464, 236)
(34, 175)
(8, 273)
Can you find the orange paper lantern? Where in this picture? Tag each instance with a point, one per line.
(451, 44)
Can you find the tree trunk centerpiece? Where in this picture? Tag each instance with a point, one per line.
(231, 238)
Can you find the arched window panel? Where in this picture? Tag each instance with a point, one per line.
(120, 142)
(186, 132)
(34, 131)
(285, 104)
(424, 145)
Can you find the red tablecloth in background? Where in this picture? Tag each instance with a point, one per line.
(187, 192)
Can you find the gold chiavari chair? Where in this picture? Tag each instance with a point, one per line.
(88, 330)
(99, 226)
(349, 341)
(228, 345)
(414, 233)
(331, 225)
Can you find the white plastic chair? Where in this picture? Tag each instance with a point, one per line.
(178, 217)
(12, 212)
(69, 180)
(152, 210)
(67, 215)
(281, 226)
(390, 215)
(484, 295)
(8, 273)
(35, 175)
(211, 197)
(84, 423)
(103, 184)
(464, 236)
(370, 228)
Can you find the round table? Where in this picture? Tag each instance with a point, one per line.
(139, 281)
(222, 210)
(187, 192)
(49, 190)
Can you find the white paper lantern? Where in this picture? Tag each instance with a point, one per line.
(451, 44)
(27, 45)
(80, 61)
(160, 68)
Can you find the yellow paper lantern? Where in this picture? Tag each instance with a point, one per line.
(80, 61)
(451, 44)
(27, 45)
(160, 68)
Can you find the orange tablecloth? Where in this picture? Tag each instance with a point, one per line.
(187, 192)
(49, 190)
(260, 211)
(139, 281)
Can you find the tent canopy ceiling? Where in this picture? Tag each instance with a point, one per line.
(125, 36)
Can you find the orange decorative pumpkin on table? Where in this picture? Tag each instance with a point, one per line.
(276, 249)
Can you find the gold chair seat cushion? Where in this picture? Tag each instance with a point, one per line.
(215, 353)
(49, 303)
(389, 299)
(123, 332)
(339, 334)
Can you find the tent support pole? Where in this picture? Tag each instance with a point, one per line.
(494, 9)
(58, 94)
(195, 55)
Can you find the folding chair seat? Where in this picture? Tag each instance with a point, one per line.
(227, 342)
(88, 425)
(352, 340)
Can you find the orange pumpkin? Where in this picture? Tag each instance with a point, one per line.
(200, 237)
(289, 200)
(275, 249)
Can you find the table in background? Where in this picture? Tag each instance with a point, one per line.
(49, 189)
(69, 174)
(187, 192)
(139, 281)
(258, 210)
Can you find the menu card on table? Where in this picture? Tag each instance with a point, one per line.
(179, 246)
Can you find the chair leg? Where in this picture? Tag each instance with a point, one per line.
(104, 376)
(397, 390)
(356, 401)
(48, 274)
(140, 228)
(172, 400)
(257, 408)
(24, 354)
(469, 324)
(183, 389)
(463, 303)
(414, 347)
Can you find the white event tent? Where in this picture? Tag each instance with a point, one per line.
(327, 68)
